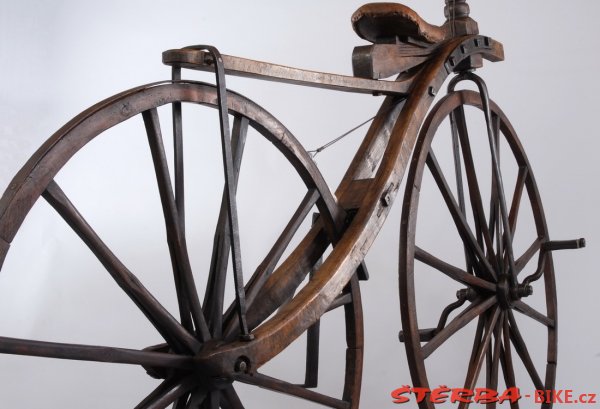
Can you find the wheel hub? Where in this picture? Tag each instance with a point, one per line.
(503, 292)
(507, 293)
(211, 369)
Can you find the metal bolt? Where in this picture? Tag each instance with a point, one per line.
(466, 293)
(432, 91)
(241, 365)
(246, 337)
(208, 59)
(386, 199)
(525, 290)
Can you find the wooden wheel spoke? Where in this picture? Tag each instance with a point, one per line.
(277, 385)
(267, 266)
(459, 220)
(215, 289)
(495, 223)
(197, 399)
(521, 348)
(516, 199)
(514, 214)
(212, 400)
(182, 401)
(78, 352)
(481, 322)
(494, 226)
(506, 360)
(493, 138)
(531, 312)
(187, 293)
(230, 399)
(495, 354)
(459, 182)
(475, 309)
(479, 353)
(168, 392)
(473, 184)
(160, 165)
(522, 261)
(453, 272)
(171, 330)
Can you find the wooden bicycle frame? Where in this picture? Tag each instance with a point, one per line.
(350, 224)
(388, 144)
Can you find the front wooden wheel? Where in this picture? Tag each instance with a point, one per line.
(210, 309)
(473, 293)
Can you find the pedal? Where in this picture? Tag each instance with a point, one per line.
(424, 334)
(563, 245)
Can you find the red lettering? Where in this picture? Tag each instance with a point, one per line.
(592, 398)
(556, 396)
(439, 395)
(420, 393)
(397, 395)
(461, 395)
(511, 394)
(539, 396)
(485, 395)
(569, 396)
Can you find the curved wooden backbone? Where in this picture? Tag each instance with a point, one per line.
(385, 168)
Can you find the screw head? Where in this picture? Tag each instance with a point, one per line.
(242, 365)
(246, 337)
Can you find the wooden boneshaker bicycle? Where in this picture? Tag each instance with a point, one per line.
(314, 266)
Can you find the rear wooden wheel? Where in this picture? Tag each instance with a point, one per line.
(453, 244)
(203, 320)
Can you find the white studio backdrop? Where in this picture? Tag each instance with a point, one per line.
(59, 58)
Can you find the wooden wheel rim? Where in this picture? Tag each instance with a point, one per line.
(416, 352)
(38, 173)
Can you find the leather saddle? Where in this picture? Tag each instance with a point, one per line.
(388, 23)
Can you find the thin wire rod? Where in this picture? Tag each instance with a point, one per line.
(314, 152)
